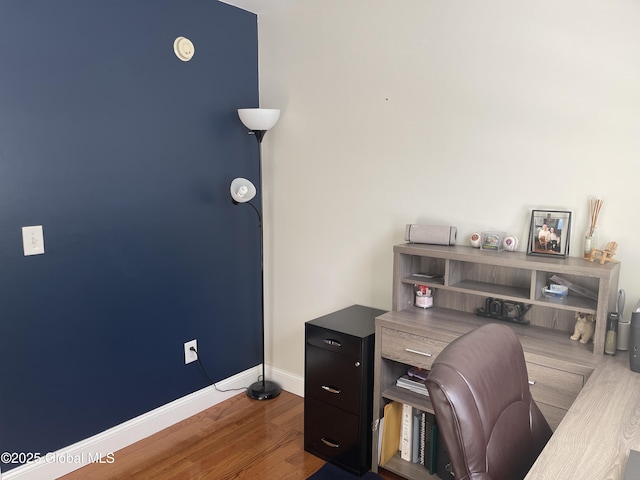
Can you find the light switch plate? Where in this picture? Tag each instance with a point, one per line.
(32, 240)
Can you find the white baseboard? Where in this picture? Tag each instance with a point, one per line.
(288, 381)
(103, 445)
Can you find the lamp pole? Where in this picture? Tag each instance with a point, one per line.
(262, 390)
(259, 121)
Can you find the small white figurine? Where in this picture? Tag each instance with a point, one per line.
(475, 240)
(510, 243)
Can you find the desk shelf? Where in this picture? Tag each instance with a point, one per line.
(408, 470)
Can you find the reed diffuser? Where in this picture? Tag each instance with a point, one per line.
(590, 236)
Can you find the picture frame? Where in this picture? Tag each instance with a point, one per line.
(549, 233)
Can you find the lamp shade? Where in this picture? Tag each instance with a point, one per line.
(242, 190)
(259, 118)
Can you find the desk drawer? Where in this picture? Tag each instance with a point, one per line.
(554, 387)
(410, 349)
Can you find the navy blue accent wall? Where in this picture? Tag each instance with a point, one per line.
(124, 154)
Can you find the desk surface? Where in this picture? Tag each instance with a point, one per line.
(603, 424)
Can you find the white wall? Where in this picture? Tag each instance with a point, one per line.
(437, 112)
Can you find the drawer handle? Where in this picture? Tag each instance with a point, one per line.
(425, 354)
(330, 389)
(532, 382)
(329, 443)
(333, 343)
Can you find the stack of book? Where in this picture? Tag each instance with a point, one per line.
(414, 380)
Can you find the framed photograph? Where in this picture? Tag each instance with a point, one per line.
(549, 233)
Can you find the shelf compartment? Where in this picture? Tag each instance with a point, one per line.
(570, 302)
(427, 265)
(491, 279)
(402, 395)
(573, 301)
(505, 292)
(396, 464)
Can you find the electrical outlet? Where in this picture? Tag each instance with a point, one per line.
(189, 355)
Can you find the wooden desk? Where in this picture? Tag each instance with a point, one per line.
(593, 440)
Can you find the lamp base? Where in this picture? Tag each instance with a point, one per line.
(263, 390)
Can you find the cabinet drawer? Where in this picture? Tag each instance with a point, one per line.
(552, 386)
(410, 349)
(334, 341)
(333, 378)
(331, 433)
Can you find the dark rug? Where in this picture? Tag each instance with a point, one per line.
(330, 472)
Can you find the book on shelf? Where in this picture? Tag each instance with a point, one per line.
(380, 433)
(415, 441)
(425, 440)
(406, 432)
(418, 373)
(430, 450)
(391, 431)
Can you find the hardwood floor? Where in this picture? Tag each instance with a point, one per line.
(239, 438)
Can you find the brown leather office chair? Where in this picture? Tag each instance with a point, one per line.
(491, 427)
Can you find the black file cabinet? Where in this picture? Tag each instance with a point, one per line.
(338, 387)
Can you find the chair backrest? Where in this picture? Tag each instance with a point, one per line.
(491, 426)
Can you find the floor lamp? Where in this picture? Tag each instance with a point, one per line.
(258, 121)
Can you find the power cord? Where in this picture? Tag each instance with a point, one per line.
(204, 372)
